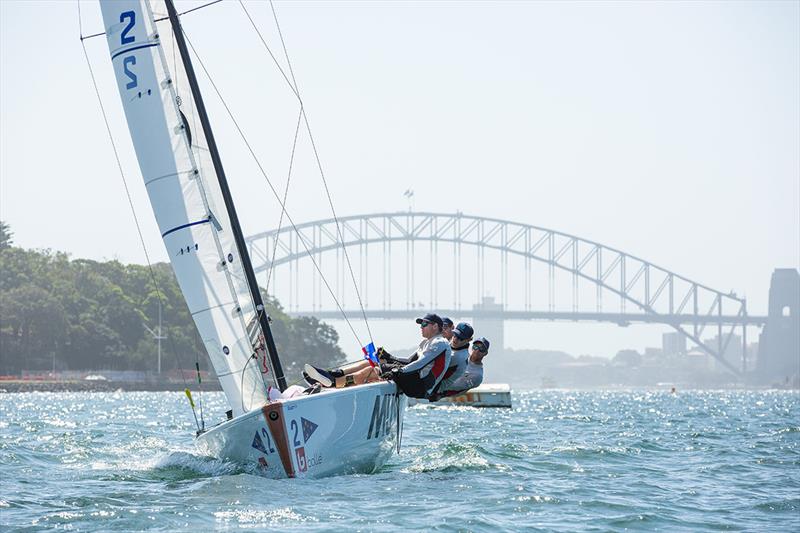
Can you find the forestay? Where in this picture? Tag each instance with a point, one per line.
(186, 197)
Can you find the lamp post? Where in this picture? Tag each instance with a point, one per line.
(158, 336)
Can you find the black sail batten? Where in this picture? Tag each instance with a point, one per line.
(226, 194)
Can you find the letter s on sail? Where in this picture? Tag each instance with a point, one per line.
(130, 60)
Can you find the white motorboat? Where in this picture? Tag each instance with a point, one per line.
(487, 395)
(332, 432)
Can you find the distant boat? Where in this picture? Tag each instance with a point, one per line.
(333, 432)
(488, 395)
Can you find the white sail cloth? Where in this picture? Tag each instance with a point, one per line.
(185, 195)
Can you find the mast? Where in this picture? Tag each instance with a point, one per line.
(247, 266)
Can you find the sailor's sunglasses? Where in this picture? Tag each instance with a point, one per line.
(479, 347)
(424, 323)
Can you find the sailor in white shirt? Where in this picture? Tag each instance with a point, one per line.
(473, 375)
(417, 375)
(421, 373)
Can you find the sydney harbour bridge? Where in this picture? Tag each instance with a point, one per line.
(487, 269)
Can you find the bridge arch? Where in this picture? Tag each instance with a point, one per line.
(662, 295)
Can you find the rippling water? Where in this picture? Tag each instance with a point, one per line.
(558, 460)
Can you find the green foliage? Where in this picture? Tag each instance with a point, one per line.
(6, 235)
(87, 315)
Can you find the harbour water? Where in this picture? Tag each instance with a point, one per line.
(559, 460)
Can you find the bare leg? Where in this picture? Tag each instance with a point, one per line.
(352, 368)
(365, 375)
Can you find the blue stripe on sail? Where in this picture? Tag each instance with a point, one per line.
(205, 221)
(132, 48)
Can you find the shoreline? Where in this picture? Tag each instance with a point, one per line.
(13, 386)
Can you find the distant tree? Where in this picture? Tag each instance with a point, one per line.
(6, 235)
(90, 315)
(627, 358)
(33, 328)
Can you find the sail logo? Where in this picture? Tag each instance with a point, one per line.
(384, 416)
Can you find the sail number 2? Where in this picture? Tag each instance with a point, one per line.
(129, 61)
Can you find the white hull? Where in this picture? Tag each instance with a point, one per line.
(337, 431)
(489, 395)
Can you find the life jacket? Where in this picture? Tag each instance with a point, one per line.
(415, 386)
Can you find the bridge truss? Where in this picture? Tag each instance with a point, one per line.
(640, 290)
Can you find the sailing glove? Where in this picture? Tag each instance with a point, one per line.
(383, 354)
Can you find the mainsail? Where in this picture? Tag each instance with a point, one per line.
(189, 204)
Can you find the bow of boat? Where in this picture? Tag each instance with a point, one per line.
(337, 431)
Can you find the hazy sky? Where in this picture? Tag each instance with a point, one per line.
(668, 130)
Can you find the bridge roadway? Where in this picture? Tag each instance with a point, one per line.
(622, 319)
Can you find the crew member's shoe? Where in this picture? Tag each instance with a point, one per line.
(311, 381)
(323, 377)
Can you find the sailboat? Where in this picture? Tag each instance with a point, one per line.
(336, 431)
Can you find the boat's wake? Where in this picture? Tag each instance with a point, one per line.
(451, 457)
(184, 465)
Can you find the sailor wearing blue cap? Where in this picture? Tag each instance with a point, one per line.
(459, 343)
(447, 328)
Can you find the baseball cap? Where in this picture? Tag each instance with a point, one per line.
(482, 340)
(431, 317)
(463, 331)
(447, 322)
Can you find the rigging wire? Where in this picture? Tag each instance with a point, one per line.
(283, 205)
(241, 384)
(156, 20)
(292, 86)
(296, 91)
(190, 10)
(321, 171)
(200, 394)
(291, 159)
(283, 43)
(271, 186)
(128, 194)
